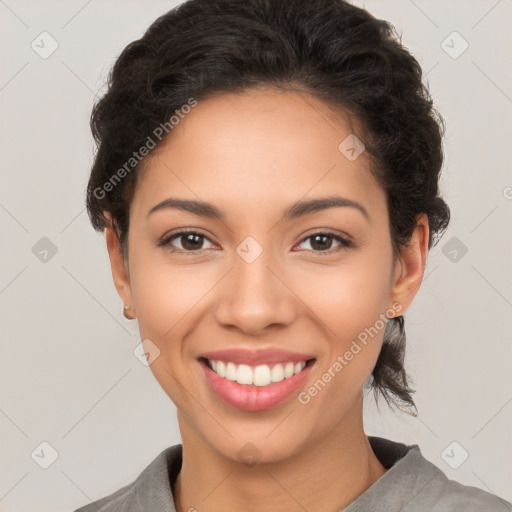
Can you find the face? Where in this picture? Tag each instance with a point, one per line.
(257, 286)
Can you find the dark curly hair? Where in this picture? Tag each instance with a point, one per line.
(329, 49)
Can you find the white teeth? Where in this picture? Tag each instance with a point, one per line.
(277, 373)
(261, 375)
(298, 368)
(230, 371)
(243, 374)
(221, 368)
(288, 370)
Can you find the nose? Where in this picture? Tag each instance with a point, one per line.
(255, 296)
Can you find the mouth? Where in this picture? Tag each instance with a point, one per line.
(255, 381)
(262, 375)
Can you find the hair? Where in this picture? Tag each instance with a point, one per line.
(329, 49)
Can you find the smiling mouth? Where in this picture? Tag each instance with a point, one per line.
(258, 375)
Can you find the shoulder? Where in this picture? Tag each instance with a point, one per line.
(151, 490)
(414, 484)
(442, 494)
(434, 491)
(123, 500)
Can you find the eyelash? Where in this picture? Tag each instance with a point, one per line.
(344, 243)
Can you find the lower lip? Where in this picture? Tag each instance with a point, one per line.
(254, 398)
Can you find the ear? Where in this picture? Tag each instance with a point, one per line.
(410, 267)
(120, 269)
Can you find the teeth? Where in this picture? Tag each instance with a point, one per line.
(277, 373)
(221, 368)
(230, 371)
(261, 375)
(288, 370)
(243, 374)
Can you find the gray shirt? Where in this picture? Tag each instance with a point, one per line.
(411, 484)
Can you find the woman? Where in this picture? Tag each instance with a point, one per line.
(267, 181)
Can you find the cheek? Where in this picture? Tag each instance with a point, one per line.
(166, 294)
(351, 301)
(353, 309)
(169, 299)
(348, 297)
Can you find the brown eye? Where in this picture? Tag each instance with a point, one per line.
(190, 241)
(322, 242)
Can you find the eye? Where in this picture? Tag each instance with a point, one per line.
(321, 242)
(190, 241)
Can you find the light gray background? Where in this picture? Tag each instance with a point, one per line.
(68, 373)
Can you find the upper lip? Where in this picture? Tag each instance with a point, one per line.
(256, 357)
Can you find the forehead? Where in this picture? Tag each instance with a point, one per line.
(255, 149)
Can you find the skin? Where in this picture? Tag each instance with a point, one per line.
(252, 155)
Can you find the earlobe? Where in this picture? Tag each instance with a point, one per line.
(120, 272)
(411, 265)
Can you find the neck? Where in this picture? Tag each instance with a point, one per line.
(328, 475)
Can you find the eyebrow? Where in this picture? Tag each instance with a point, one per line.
(296, 210)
